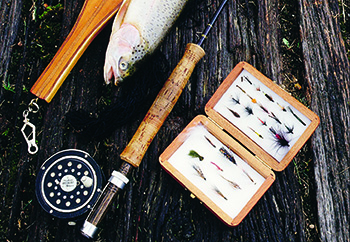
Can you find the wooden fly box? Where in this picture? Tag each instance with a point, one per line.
(226, 159)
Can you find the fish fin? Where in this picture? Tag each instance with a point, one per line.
(120, 16)
(108, 74)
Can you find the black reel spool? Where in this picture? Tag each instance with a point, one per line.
(68, 184)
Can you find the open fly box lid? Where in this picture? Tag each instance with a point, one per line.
(226, 160)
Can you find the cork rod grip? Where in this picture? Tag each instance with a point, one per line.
(92, 18)
(162, 106)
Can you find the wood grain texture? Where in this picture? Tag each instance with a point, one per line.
(153, 206)
(92, 18)
(327, 72)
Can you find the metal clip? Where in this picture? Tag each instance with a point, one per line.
(30, 137)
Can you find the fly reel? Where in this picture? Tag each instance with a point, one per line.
(68, 183)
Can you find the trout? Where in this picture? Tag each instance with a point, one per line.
(137, 30)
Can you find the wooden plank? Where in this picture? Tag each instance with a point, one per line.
(153, 205)
(327, 72)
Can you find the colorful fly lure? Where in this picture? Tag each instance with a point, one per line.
(252, 99)
(227, 155)
(232, 159)
(283, 108)
(280, 138)
(194, 154)
(262, 121)
(218, 167)
(259, 135)
(263, 108)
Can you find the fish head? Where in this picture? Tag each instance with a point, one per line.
(124, 50)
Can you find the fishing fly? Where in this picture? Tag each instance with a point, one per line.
(296, 116)
(282, 107)
(252, 99)
(234, 113)
(245, 78)
(199, 171)
(232, 183)
(259, 135)
(268, 97)
(194, 154)
(235, 100)
(280, 138)
(273, 116)
(232, 159)
(209, 141)
(290, 129)
(218, 167)
(249, 110)
(263, 108)
(262, 121)
(220, 193)
(227, 155)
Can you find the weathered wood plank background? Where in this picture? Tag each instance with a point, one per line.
(292, 42)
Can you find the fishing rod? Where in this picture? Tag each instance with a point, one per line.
(154, 119)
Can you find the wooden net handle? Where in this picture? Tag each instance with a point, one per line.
(162, 106)
(92, 18)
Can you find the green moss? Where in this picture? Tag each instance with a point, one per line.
(38, 38)
(48, 33)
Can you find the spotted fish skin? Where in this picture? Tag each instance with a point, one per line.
(138, 28)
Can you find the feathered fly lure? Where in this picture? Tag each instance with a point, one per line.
(232, 159)
(199, 171)
(235, 100)
(227, 155)
(290, 129)
(194, 154)
(280, 138)
(259, 135)
(252, 99)
(282, 107)
(268, 97)
(234, 113)
(232, 183)
(273, 116)
(262, 121)
(220, 193)
(249, 110)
